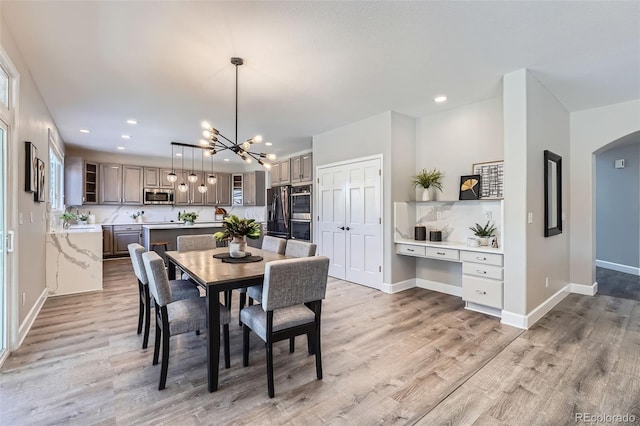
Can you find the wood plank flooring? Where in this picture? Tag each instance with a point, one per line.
(416, 357)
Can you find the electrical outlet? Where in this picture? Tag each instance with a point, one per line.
(24, 298)
(488, 215)
(20, 218)
(438, 215)
(546, 282)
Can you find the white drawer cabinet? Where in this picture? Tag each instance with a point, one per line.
(478, 257)
(482, 276)
(480, 270)
(482, 291)
(410, 250)
(442, 253)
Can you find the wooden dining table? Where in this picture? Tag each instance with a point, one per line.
(216, 276)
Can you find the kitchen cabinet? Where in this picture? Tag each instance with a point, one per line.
(280, 173)
(191, 197)
(155, 177)
(164, 182)
(80, 182)
(120, 184)
(254, 188)
(219, 194)
(123, 235)
(236, 190)
(107, 240)
(301, 169)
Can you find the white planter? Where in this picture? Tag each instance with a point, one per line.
(484, 241)
(237, 246)
(187, 223)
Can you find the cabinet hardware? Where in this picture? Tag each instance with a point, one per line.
(481, 258)
(481, 272)
(481, 292)
(440, 253)
(410, 250)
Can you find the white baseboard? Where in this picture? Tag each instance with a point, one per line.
(399, 286)
(587, 290)
(31, 317)
(547, 305)
(618, 267)
(483, 309)
(440, 287)
(513, 319)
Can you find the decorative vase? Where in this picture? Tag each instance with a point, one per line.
(138, 219)
(82, 222)
(426, 194)
(484, 241)
(188, 223)
(237, 246)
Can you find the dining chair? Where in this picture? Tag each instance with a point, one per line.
(175, 317)
(194, 242)
(293, 290)
(181, 289)
(269, 243)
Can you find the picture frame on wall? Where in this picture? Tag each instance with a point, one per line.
(39, 195)
(492, 173)
(31, 167)
(470, 187)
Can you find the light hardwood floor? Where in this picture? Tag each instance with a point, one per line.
(416, 357)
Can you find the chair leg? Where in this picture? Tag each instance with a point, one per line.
(243, 302)
(292, 344)
(140, 315)
(318, 355)
(197, 332)
(147, 319)
(156, 346)
(165, 360)
(245, 346)
(310, 343)
(227, 353)
(269, 351)
(251, 301)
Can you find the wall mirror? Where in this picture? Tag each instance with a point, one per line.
(552, 194)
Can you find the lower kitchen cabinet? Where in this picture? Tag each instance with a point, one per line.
(123, 235)
(107, 240)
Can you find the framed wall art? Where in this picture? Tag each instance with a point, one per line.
(30, 167)
(39, 196)
(470, 187)
(492, 174)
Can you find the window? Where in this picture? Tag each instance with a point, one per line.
(4, 88)
(56, 177)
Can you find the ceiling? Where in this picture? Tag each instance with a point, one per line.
(309, 66)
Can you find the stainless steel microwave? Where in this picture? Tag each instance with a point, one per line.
(158, 196)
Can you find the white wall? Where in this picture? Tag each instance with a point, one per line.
(591, 130)
(33, 124)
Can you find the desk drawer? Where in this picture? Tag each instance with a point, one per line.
(482, 291)
(480, 270)
(409, 249)
(477, 257)
(442, 253)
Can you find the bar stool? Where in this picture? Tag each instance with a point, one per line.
(164, 245)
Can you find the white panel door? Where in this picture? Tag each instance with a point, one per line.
(349, 222)
(331, 218)
(363, 219)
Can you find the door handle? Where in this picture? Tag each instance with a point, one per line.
(341, 227)
(10, 246)
(348, 228)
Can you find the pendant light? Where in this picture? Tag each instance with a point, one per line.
(183, 187)
(193, 178)
(211, 179)
(202, 188)
(172, 177)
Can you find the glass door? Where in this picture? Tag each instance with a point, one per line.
(5, 240)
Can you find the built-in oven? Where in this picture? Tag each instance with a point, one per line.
(301, 202)
(301, 229)
(158, 196)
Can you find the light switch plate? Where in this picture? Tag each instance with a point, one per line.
(20, 218)
(529, 217)
(31, 217)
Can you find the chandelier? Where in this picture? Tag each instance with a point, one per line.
(214, 142)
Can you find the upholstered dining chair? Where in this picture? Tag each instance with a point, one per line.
(195, 242)
(292, 295)
(175, 317)
(180, 289)
(269, 243)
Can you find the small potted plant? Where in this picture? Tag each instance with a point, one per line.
(67, 218)
(429, 180)
(483, 232)
(82, 218)
(137, 216)
(188, 217)
(238, 230)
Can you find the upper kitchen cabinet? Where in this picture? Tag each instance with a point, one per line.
(191, 197)
(219, 194)
(80, 182)
(155, 177)
(280, 173)
(254, 188)
(120, 184)
(301, 169)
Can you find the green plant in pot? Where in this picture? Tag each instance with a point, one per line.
(188, 217)
(429, 180)
(238, 230)
(83, 218)
(67, 218)
(483, 232)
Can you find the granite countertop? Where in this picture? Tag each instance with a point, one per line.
(450, 245)
(178, 225)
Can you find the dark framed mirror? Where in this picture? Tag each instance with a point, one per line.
(552, 194)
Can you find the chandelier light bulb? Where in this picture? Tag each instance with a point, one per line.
(271, 156)
(257, 139)
(172, 177)
(248, 160)
(206, 134)
(205, 125)
(212, 179)
(246, 145)
(202, 188)
(204, 142)
(192, 177)
(183, 187)
(267, 166)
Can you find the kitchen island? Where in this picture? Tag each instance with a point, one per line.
(169, 232)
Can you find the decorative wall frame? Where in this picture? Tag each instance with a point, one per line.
(39, 195)
(552, 194)
(30, 167)
(492, 173)
(470, 187)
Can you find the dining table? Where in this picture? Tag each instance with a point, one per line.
(216, 276)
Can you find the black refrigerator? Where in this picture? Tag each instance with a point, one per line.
(278, 212)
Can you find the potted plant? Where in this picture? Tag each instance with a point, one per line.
(137, 216)
(238, 230)
(82, 218)
(428, 179)
(188, 217)
(483, 232)
(67, 217)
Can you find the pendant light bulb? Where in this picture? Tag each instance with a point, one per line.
(193, 178)
(246, 145)
(172, 177)
(271, 156)
(212, 179)
(257, 139)
(202, 188)
(183, 187)
(206, 133)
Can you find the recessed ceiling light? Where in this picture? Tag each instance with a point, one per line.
(121, 148)
(226, 159)
(440, 99)
(178, 154)
(132, 121)
(126, 137)
(268, 143)
(84, 131)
